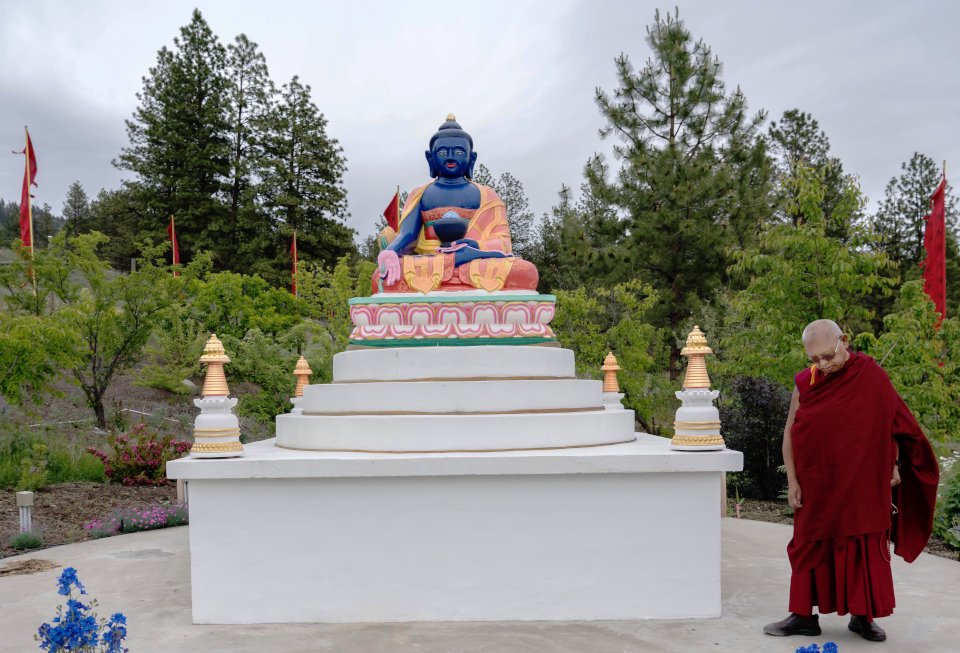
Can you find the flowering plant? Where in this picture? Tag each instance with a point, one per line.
(143, 462)
(77, 628)
(132, 520)
(829, 647)
(32, 539)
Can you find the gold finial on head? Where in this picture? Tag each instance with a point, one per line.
(214, 355)
(302, 373)
(696, 349)
(450, 117)
(610, 369)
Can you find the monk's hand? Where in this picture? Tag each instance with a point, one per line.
(896, 476)
(795, 497)
(389, 261)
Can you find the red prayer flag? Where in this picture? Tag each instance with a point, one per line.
(29, 177)
(935, 242)
(392, 212)
(172, 236)
(293, 250)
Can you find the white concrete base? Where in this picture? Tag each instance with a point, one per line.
(628, 531)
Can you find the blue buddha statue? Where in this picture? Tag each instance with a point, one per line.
(453, 234)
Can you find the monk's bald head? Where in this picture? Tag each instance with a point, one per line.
(824, 339)
(821, 330)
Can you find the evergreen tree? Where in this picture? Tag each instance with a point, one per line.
(695, 179)
(303, 182)
(179, 147)
(796, 141)
(510, 190)
(900, 219)
(906, 203)
(116, 214)
(250, 91)
(76, 210)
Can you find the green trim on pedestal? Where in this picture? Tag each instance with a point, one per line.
(453, 342)
(454, 298)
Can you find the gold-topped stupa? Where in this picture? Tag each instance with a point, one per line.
(302, 373)
(214, 355)
(610, 369)
(696, 349)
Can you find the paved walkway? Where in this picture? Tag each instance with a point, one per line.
(147, 577)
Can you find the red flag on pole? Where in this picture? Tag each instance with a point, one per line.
(172, 236)
(392, 212)
(26, 211)
(935, 242)
(293, 250)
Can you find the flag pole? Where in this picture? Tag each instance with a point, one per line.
(29, 183)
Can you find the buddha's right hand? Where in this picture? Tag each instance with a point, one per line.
(389, 261)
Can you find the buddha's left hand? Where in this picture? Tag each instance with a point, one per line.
(457, 245)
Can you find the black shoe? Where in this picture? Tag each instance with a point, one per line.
(794, 625)
(868, 630)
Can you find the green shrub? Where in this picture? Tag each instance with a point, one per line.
(947, 516)
(33, 470)
(27, 540)
(65, 462)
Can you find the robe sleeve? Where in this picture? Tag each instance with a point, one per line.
(916, 496)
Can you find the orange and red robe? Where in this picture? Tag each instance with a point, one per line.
(844, 434)
(427, 269)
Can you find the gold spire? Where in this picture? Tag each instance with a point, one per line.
(214, 355)
(696, 349)
(302, 373)
(450, 117)
(610, 369)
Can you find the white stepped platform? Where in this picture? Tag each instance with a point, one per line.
(484, 398)
(440, 363)
(437, 433)
(629, 531)
(441, 397)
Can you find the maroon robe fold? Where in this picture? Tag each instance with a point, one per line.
(843, 438)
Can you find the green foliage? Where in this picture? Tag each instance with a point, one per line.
(33, 352)
(799, 274)
(32, 539)
(325, 296)
(267, 361)
(65, 462)
(946, 520)
(797, 141)
(175, 355)
(923, 362)
(595, 322)
(33, 470)
(695, 177)
(179, 148)
(302, 181)
(230, 304)
(111, 315)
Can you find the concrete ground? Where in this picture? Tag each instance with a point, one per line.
(147, 577)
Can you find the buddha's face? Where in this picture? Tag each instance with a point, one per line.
(451, 157)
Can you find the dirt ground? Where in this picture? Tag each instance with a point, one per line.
(776, 512)
(64, 510)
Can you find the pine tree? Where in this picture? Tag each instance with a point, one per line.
(796, 141)
(695, 178)
(303, 182)
(250, 92)
(906, 203)
(900, 219)
(179, 146)
(509, 189)
(76, 210)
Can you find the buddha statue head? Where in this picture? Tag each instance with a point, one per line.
(451, 152)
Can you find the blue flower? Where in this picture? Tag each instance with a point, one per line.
(830, 647)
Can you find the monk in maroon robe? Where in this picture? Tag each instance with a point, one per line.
(861, 476)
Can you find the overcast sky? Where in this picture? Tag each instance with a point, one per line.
(880, 77)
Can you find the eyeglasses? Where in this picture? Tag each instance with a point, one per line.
(826, 358)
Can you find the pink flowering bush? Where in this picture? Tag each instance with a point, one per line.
(132, 520)
(140, 456)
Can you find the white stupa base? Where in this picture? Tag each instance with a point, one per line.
(629, 531)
